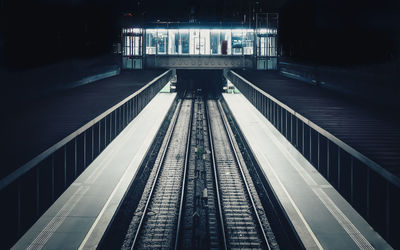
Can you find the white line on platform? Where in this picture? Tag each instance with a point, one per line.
(293, 204)
(58, 219)
(82, 246)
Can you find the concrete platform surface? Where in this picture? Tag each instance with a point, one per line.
(81, 215)
(322, 218)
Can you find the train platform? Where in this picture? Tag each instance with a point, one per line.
(29, 130)
(81, 215)
(320, 216)
(372, 130)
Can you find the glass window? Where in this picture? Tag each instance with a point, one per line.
(261, 46)
(127, 46)
(194, 46)
(204, 41)
(228, 38)
(162, 41)
(266, 42)
(132, 42)
(132, 45)
(272, 46)
(225, 42)
(237, 46)
(215, 45)
(248, 42)
(151, 41)
(176, 42)
(173, 41)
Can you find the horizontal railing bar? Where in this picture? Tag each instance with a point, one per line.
(353, 152)
(32, 163)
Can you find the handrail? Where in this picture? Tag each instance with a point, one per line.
(370, 163)
(36, 160)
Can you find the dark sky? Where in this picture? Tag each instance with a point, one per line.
(314, 30)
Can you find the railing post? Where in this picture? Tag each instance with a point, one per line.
(105, 132)
(387, 217)
(110, 127)
(302, 138)
(37, 192)
(286, 122)
(297, 132)
(327, 160)
(65, 166)
(352, 180)
(339, 169)
(310, 146)
(368, 193)
(52, 178)
(19, 222)
(123, 116)
(84, 149)
(75, 157)
(281, 119)
(92, 146)
(291, 128)
(318, 149)
(115, 123)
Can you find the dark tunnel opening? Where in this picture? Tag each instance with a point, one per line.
(206, 81)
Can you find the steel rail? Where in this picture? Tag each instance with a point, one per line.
(221, 218)
(185, 166)
(135, 239)
(243, 176)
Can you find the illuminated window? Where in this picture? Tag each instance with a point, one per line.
(173, 41)
(151, 41)
(184, 41)
(215, 44)
(205, 42)
(237, 46)
(162, 39)
(199, 42)
(248, 42)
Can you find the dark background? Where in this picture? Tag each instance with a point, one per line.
(332, 32)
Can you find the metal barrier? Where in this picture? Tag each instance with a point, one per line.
(372, 190)
(31, 189)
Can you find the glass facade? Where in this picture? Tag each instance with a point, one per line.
(266, 42)
(189, 45)
(261, 43)
(199, 41)
(132, 44)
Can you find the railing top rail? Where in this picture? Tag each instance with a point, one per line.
(370, 163)
(32, 163)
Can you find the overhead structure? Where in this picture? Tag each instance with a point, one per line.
(194, 46)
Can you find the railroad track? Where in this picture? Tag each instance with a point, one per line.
(200, 229)
(200, 194)
(241, 226)
(161, 217)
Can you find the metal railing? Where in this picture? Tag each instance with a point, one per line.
(31, 189)
(372, 190)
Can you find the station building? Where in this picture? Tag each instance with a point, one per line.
(202, 46)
